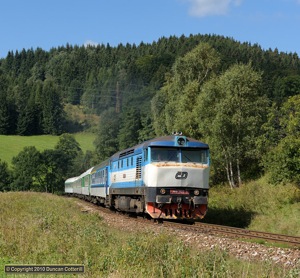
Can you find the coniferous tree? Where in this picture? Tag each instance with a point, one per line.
(28, 120)
(286, 87)
(146, 131)
(106, 142)
(4, 115)
(52, 109)
(131, 123)
(6, 110)
(5, 177)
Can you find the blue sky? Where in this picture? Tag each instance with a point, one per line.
(46, 24)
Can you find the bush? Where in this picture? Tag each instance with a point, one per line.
(257, 205)
(283, 162)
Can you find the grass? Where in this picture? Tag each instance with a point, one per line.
(257, 205)
(40, 228)
(11, 145)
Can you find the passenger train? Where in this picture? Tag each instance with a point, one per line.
(165, 178)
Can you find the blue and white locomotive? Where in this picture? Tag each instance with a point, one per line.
(166, 178)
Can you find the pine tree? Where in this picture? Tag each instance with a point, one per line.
(106, 142)
(5, 177)
(52, 109)
(4, 110)
(131, 124)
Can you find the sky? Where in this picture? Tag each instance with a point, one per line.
(45, 24)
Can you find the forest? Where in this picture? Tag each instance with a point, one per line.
(242, 100)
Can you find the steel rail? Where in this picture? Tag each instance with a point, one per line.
(213, 229)
(228, 231)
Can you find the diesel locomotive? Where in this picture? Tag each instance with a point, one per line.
(166, 178)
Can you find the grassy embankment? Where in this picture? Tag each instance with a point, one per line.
(257, 205)
(39, 228)
(10, 146)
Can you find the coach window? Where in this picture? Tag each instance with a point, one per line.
(102, 175)
(132, 161)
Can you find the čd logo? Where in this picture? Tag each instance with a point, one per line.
(181, 175)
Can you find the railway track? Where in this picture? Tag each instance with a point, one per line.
(244, 233)
(207, 237)
(238, 233)
(211, 229)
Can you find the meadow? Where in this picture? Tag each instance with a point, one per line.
(40, 228)
(11, 145)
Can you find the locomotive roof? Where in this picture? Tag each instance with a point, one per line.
(170, 141)
(164, 141)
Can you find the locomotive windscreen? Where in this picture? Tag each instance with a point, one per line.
(183, 155)
(198, 156)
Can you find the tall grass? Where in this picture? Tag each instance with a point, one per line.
(39, 228)
(257, 205)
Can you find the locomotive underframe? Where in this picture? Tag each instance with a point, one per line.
(178, 203)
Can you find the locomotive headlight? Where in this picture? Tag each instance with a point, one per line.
(163, 191)
(181, 141)
(196, 192)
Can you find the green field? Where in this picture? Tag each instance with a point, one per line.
(11, 145)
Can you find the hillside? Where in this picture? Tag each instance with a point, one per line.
(239, 98)
(11, 145)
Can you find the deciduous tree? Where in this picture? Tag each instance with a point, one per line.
(26, 167)
(173, 104)
(230, 113)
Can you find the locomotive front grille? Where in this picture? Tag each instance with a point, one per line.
(167, 199)
(163, 199)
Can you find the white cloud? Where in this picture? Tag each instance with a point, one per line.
(203, 8)
(90, 43)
